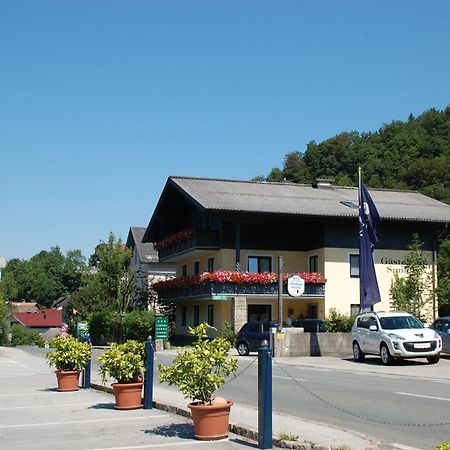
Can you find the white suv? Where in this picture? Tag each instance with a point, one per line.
(394, 335)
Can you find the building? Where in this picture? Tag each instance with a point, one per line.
(145, 262)
(41, 320)
(213, 230)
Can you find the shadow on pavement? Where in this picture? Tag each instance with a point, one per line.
(180, 430)
(102, 406)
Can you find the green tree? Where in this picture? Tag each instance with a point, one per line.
(444, 276)
(44, 278)
(4, 324)
(116, 282)
(413, 293)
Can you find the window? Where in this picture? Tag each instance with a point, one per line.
(210, 264)
(354, 266)
(196, 315)
(183, 315)
(313, 263)
(196, 267)
(211, 315)
(184, 270)
(259, 264)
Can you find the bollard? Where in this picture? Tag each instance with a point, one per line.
(148, 386)
(87, 376)
(264, 396)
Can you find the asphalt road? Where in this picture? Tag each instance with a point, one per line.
(407, 403)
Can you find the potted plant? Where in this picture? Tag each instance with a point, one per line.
(198, 372)
(125, 363)
(70, 357)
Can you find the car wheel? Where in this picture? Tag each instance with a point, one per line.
(358, 355)
(243, 349)
(433, 359)
(386, 358)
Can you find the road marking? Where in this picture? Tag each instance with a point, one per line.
(288, 378)
(70, 422)
(46, 406)
(423, 396)
(171, 444)
(32, 393)
(284, 377)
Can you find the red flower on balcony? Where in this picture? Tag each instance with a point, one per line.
(228, 276)
(173, 239)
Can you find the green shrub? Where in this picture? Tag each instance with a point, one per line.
(104, 327)
(228, 333)
(70, 353)
(201, 370)
(444, 446)
(23, 336)
(338, 323)
(124, 362)
(138, 325)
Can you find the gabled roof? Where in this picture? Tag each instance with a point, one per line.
(43, 318)
(305, 200)
(146, 252)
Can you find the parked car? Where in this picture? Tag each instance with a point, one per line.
(394, 335)
(251, 335)
(310, 325)
(442, 326)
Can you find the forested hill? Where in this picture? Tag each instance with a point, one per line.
(414, 154)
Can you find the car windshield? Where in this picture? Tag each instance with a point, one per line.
(399, 322)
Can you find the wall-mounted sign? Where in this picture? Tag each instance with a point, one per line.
(219, 296)
(295, 286)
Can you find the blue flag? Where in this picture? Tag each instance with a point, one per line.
(368, 221)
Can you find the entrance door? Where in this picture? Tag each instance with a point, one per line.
(259, 312)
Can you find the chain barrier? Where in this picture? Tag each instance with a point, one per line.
(241, 372)
(351, 413)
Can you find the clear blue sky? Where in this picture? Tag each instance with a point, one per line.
(101, 101)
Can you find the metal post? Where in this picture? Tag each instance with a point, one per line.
(280, 293)
(87, 375)
(264, 397)
(148, 386)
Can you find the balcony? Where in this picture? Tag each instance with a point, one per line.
(212, 288)
(195, 240)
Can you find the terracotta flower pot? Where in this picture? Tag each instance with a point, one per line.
(128, 395)
(210, 421)
(68, 380)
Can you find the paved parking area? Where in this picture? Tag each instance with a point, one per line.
(33, 415)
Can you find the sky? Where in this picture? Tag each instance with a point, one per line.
(102, 100)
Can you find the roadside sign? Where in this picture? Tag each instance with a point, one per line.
(162, 328)
(219, 296)
(295, 286)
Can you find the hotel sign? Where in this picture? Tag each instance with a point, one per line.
(295, 286)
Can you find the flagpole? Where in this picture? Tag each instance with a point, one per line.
(359, 238)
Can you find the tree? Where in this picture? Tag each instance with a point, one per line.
(116, 282)
(4, 325)
(444, 277)
(47, 276)
(413, 293)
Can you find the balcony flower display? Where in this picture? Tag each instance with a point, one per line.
(173, 239)
(228, 276)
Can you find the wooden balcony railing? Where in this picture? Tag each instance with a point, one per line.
(198, 240)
